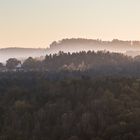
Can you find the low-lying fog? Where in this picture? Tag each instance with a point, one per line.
(21, 53)
(131, 48)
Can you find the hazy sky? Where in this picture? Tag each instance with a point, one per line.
(36, 23)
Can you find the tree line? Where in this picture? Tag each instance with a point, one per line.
(94, 42)
(95, 63)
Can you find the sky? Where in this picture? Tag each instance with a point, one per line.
(36, 23)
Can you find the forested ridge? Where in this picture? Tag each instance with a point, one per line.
(100, 63)
(81, 44)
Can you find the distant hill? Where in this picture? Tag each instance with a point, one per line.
(20, 53)
(80, 44)
(73, 45)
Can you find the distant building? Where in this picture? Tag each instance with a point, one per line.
(19, 67)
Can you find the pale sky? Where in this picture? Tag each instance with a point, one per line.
(36, 23)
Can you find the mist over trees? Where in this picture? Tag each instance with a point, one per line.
(21, 53)
(80, 44)
(101, 63)
(131, 48)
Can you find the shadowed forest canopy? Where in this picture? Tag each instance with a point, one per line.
(34, 107)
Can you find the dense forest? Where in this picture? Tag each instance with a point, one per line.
(33, 107)
(71, 96)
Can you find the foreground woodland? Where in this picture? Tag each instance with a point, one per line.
(33, 107)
